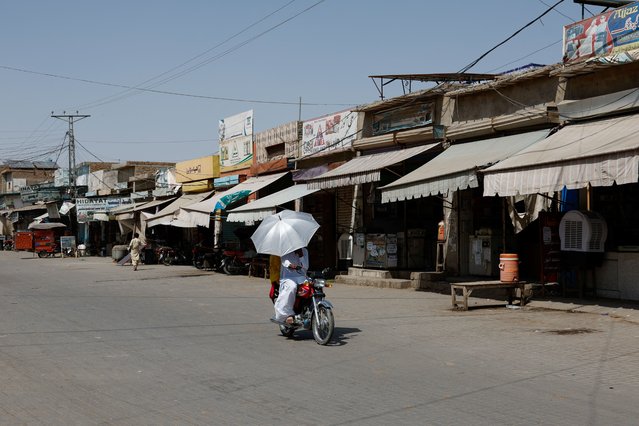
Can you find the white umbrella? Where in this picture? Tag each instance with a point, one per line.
(284, 232)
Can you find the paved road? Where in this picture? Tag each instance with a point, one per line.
(83, 341)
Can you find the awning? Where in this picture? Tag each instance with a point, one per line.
(46, 225)
(456, 168)
(598, 153)
(169, 213)
(199, 214)
(259, 209)
(364, 169)
(127, 212)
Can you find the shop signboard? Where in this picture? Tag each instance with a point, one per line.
(604, 34)
(333, 132)
(87, 208)
(402, 118)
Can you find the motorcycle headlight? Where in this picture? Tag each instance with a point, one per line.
(320, 283)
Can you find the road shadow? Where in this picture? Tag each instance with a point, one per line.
(341, 335)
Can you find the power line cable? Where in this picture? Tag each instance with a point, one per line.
(476, 61)
(124, 93)
(166, 92)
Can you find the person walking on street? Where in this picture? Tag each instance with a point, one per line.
(134, 247)
(292, 273)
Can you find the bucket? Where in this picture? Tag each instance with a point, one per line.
(508, 268)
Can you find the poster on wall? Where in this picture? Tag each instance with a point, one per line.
(610, 32)
(236, 141)
(329, 133)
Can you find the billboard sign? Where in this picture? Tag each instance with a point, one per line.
(610, 32)
(329, 133)
(236, 141)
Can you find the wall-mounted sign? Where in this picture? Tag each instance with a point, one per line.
(610, 32)
(329, 133)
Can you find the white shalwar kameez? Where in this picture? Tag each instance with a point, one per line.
(290, 278)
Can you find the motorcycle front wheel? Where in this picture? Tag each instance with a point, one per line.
(323, 329)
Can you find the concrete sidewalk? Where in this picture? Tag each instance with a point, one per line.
(438, 283)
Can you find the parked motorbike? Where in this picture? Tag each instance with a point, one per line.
(8, 245)
(312, 311)
(234, 262)
(209, 258)
(170, 256)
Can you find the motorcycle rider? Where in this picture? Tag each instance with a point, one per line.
(292, 273)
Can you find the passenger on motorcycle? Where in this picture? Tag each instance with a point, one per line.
(274, 266)
(292, 273)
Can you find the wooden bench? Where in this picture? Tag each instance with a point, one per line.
(468, 287)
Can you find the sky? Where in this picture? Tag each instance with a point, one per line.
(199, 61)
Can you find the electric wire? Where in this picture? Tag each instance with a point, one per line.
(122, 94)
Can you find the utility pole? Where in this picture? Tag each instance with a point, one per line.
(71, 118)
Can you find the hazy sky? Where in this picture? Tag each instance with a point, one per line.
(79, 55)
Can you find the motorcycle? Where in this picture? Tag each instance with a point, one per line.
(169, 256)
(234, 262)
(8, 245)
(312, 311)
(209, 258)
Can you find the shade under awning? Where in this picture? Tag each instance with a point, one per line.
(456, 168)
(259, 209)
(366, 168)
(598, 153)
(199, 214)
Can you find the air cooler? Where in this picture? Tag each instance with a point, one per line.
(583, 231)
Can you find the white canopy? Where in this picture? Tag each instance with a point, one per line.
(167, 215)
(264, 207)
(199, 214)
(364, 169)
(456, 167)
(598, 153)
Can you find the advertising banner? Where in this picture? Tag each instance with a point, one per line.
(611, 32)
(236, 125)
(332, 132)
(87, 208)
(236, 153)
(236, 141)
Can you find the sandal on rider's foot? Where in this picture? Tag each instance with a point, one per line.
(276, 321)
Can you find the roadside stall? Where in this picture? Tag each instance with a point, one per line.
(46, 237)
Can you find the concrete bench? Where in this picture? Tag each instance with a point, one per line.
(467, 288)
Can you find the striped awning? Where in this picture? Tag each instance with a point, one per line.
(598, 153)
(267, 206)
(456, 167)
(199, 214)
(366, 168)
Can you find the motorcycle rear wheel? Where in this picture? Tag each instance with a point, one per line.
(323, 330)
